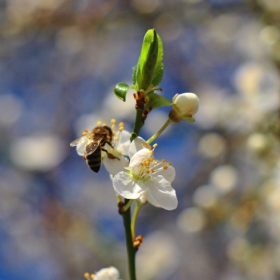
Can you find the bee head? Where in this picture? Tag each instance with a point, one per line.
(109, 132)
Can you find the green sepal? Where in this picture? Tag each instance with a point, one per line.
(155, 101)
(188, 119)
(147, 60)
(133, 136)
(120, 90)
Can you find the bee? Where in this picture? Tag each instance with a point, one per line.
(94, 143)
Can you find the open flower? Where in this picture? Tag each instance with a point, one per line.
(147, 179)
(184, 106)
(118, 151)
(122, 150)
(109, 273)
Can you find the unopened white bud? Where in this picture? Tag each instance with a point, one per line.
(184, 106)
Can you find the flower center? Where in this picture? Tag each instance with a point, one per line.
(149, 166)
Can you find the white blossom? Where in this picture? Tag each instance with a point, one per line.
(147, 179)
(119, 151)
(184, 106)
(108, 273)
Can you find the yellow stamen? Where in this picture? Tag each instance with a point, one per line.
(104, 124)
(112, 126)
(151, 152)
(147, 171)
(113, 121)
(99, 123)
(165, 167)
(86, 275)
(155, 145)
(121, 128)
(149, 147)
(121, 124)
(163, 160)
(155, 162)
(92, 276)
(116, 138)
(169, 163)
(85, 132)
(144, 144)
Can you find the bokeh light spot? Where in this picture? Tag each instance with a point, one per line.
(224, 178)
(191, 220)
(212, 145)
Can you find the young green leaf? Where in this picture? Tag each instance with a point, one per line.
(158, 74)
(147, 60)
(155, 100)
(120, 90)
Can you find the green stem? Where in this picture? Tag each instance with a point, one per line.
(168, 122)
(134, 218)
(119, 199)
(138, 123)
(127, 205)
(131, 251)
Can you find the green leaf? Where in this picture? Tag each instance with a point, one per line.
(158, 74)
(155, 100)
(147, 60)
(134, 75)
(120, 90)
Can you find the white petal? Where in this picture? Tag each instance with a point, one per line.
(135, 146)
(138, 158)
(110, 273)
(123, 148)
(125, 186)
(81, 146)
(169, 174)
(161, 194)
(123, 143)
(124, 136)
(143, 197)
(114, 166)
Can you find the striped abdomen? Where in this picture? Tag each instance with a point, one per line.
(94, 160)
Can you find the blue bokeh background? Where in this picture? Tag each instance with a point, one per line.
(59, 62)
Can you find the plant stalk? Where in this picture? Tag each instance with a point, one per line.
(168, 122)
(131, 251)
(134, 218)
(137, 124)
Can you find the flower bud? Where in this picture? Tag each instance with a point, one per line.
(184, 106)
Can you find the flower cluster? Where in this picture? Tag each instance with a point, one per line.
(135, 173)
(137, 176)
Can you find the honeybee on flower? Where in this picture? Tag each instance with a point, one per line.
(102, 143)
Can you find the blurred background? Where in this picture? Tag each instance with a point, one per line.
(60, 60)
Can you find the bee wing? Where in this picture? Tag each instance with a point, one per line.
(76, 141)
(80, 144)
(92, 147)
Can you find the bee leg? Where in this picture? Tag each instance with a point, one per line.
(110, 156)
(109, 144)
